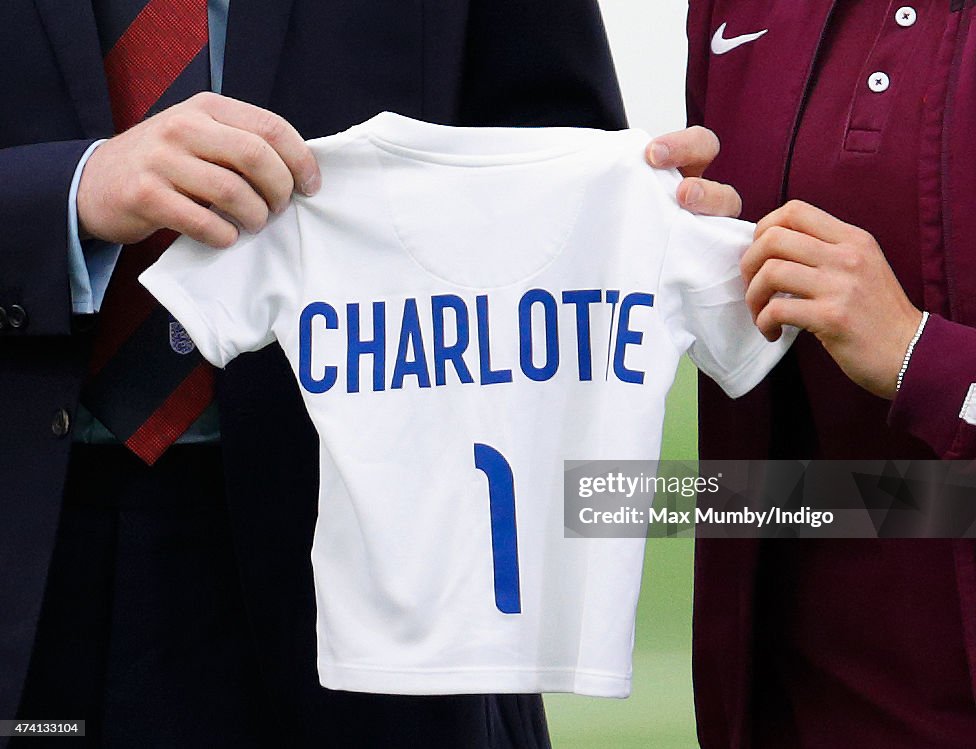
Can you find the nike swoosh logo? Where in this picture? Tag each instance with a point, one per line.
(721, 45)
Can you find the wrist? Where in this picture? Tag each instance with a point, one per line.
(81, 190)
(910, 349)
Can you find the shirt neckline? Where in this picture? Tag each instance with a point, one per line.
(467, 146)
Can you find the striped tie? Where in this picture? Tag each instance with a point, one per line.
(146, 382)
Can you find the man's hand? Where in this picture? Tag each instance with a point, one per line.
(841, 289)
(207, 151)
(690, 151)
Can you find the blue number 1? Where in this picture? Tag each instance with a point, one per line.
(504, 539)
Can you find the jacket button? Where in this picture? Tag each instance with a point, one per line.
(61, 424)
(906, 16)
(3, 319)
(879, 82)
(17, 316)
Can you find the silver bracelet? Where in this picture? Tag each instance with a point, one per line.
(911, 348)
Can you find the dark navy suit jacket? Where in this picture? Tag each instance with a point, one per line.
(324, 65)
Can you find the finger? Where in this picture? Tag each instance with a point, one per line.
(808, 219)
(707, 198)
(278, 133)
(690, 150)
(784, 244)
(180, 213)
(224, 189)
(781, 311)
(248, 155)
(781, 277)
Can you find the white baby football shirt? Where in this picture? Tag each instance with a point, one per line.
(464, 309)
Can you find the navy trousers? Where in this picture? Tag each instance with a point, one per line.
(144, 633)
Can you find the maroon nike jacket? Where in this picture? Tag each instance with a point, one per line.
(868, 110)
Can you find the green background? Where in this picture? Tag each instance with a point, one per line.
(659, 714)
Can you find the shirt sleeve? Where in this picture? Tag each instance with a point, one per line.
(230, 300)
(90, 263)
(703, 302)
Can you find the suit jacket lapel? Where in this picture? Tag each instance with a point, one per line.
(74, 39)
(255, 35)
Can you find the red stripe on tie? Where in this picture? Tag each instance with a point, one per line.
(174, 416)
(127, 300)
(158, 45)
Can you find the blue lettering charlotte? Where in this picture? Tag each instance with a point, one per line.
(435, 361)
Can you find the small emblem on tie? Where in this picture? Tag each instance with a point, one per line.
(179, 339)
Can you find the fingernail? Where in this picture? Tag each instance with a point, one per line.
(694, 195)
(312, 184)
(659, 153)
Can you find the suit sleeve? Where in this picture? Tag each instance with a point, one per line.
(35, 291)
(539, 63)
(937, 400)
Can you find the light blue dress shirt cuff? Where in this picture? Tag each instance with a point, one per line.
(217, 17)
(90, 263)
